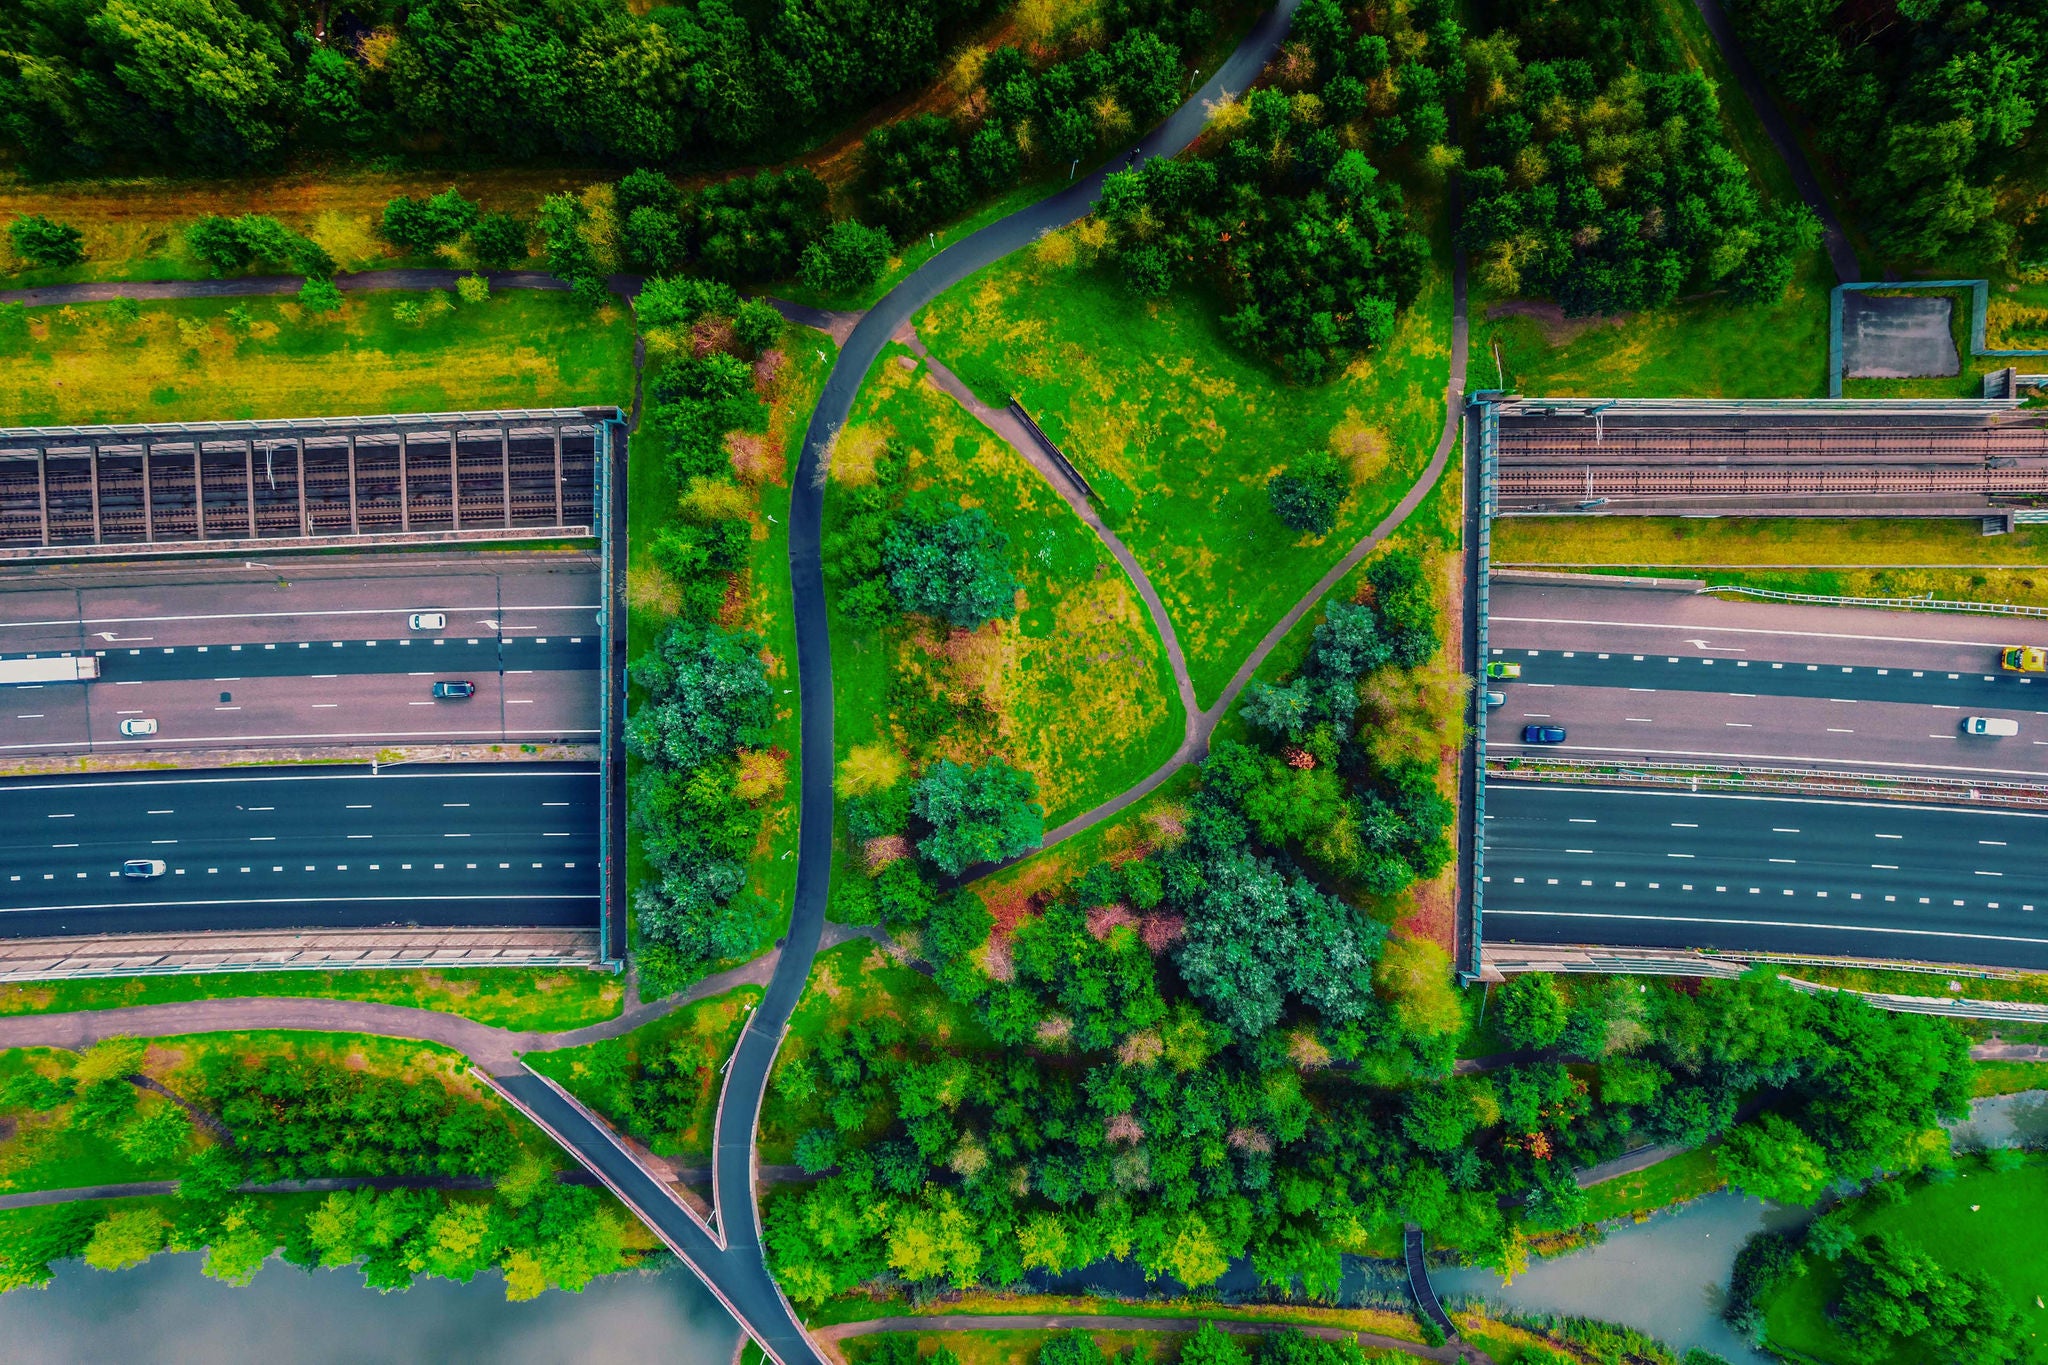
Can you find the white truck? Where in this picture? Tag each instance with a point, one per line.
(50, 668)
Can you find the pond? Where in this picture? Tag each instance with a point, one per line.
(166, 1313)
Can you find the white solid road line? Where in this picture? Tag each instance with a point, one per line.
(1838, 764)
(1580, 791)
(510, 771)
(290, 900)
(1766, 924)
(505, 735)
(1745, 630)
(275, 615)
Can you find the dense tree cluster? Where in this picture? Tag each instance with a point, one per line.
(1288, 219)
(229, 84)
(291, 1117)
(705, 697)
(1929, 109)
(1620, 195)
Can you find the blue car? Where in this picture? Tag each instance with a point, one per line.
(1542, 734)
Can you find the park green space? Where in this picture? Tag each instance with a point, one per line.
(188, 360)
(763, 603)
(1675, 1180)
(1078, 682)
(45, 1152)
(1981, 1219)
(697, 1038)
(1178, 430)
(546, 1000)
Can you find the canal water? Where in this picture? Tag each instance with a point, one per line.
(165, 1312)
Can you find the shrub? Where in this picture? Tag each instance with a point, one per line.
(756, 325)
(424, 226)
(320, 296)
(847, 259)
(1307, 495)
(46, 242)
(473, 288)
(499, 241)
(238, 243)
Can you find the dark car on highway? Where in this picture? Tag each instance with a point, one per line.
(454, 689)
(1542, 734)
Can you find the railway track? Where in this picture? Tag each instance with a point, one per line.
(1605, 481)
(1795, 447)
(113, 492)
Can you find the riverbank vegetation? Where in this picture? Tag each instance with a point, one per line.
(727, 391)
(977, 622)
(218, 1111)
(222, 359)
(541, 999)
(1947, 1265)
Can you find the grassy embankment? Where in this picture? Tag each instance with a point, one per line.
(1983, 1220)
(544, 999)
(763, 602)
(1874, 557)
(189, 360)
(1178, 430)
(1077, 686)
(698, 1039)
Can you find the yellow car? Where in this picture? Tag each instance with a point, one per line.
(2023, 659)
(1503, 670)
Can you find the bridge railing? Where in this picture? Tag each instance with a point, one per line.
(1891, 603)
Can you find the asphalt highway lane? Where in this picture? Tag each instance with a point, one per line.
(1767, 677)
(1574, 864)
(281, 848)
(1788, 732)
(296, 658)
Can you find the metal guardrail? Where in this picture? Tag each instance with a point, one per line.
(1059, 456)
(1474, 949)
(612, 453)
(1892, 603)
(2013, 1011)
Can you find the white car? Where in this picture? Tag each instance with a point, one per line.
(428, 620)
(1996, 726)
(143, 867)
(135, 729)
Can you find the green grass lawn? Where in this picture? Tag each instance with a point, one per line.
(1675, 1180)
(855, 981)
(547, 999)
(701, 1036)
(1708, 347)
(1178, 431)
(1128, 833)
(1079, 680)
(182, 360)
(2009, 1078)
(1982, 1220)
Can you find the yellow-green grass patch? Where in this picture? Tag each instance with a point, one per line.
(1178, 431)
(186, 360)
(1153, 823)
(1760, 542)
(854, 982)
(991, 1302)
(1021, 1346)
(1078, 681)
(701, 1037)
(547, 999)
(2008, 1078)
(1983, 1220)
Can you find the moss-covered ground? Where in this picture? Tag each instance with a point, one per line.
(190, 360)
(1077, 684)
(1178, 431)
(545, 1000)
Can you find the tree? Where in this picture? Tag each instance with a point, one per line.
(499, 241)
(320, 296)
(1892, 1289)
(126, 1237)
(1308, 493)
(45, 242)
(953, 564)
(1210, 1345)
(1073, 1347)
(977, 815)
(1532, 1013)
(708, 696)
(848, 258)
(1771, 1159)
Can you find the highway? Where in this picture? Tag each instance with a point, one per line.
(237, 655)
(1574, 864)
(281, 848)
